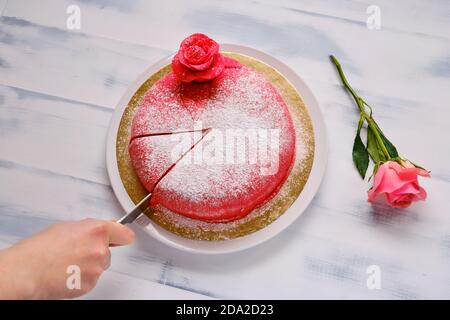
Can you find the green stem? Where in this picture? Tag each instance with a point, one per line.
(360, 103)
(344, 80)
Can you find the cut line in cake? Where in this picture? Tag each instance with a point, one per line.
(162, 152)
(168, 133)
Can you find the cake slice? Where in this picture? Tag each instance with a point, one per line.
(152, 156)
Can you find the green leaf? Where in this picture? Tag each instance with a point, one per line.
(360, 154)
(373, 147)
(389, 146)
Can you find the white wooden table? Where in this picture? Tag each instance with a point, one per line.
(58, 88)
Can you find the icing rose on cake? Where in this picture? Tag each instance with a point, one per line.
(199, 60)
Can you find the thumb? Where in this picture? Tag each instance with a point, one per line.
(118, 234)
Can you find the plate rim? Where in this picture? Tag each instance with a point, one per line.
(276, 227)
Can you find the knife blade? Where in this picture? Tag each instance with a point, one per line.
(137, 211)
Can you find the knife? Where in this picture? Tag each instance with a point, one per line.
(137, 211)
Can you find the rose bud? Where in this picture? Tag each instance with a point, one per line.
(399, 184)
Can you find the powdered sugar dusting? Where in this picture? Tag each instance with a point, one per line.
(243, 100)
(152, 156)
(240, 99)
(161, 110)
(213, 182)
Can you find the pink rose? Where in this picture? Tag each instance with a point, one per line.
(198, 59)
(399, 183)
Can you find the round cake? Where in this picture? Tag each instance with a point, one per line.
(214, 142)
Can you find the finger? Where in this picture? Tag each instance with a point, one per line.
(118, 234)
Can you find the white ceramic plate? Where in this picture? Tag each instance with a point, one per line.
(251, 240)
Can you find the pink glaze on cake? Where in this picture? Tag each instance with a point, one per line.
(161, 110)
(228, 187)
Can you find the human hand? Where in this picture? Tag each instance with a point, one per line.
(37, 267)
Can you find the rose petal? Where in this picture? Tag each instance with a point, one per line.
(391, 180)
(408, 174)
(401, 202)
(188, 56)
(198, 59)
(409, 188)
(372, 194)
(379, 176)
(422, 195)
(423, 172)
(201, 67)
(194, 54)
(193, 39)
(393, 197)
(187, 75)
(419, 171)
(197, 49)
